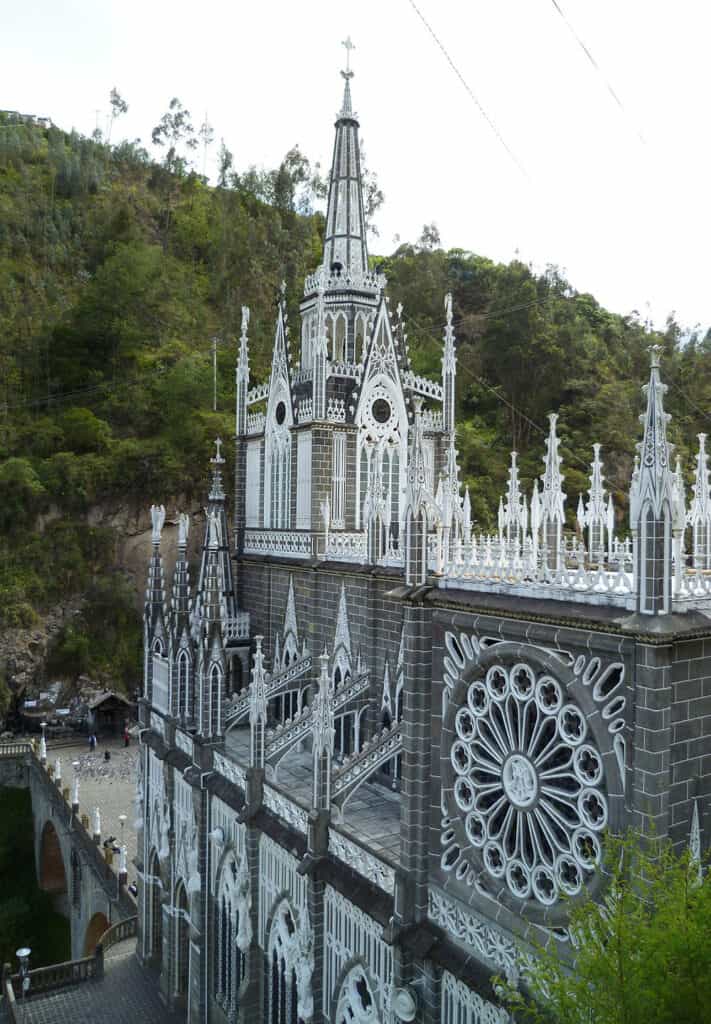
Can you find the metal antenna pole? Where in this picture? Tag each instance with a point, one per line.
(214, 374)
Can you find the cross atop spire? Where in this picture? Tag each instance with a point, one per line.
(349, 45)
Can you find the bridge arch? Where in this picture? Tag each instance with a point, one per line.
(52, 873)
(96, 927)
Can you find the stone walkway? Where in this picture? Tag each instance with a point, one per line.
(110, 785)
(127, 994)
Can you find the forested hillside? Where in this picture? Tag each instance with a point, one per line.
(115, 274)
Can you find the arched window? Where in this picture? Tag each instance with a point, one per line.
(232, 932)
(359, 342)
(156, 913)
(339, 338)
(184, 706)
(288, 984)
(182, 966)
(356, 1002)
(158, 646)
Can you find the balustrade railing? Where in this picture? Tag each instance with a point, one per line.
(278, 542)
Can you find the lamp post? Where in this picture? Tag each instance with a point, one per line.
(43, 744)
(23, 955)
(122, 822)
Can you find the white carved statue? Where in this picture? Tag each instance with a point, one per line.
(183, 529)
(304, 968)
(157, 519)
(244, 904)
(164, 831)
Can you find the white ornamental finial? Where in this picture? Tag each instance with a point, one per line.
(448, 308)
(245, 319)
(183, 529)
(157, 519)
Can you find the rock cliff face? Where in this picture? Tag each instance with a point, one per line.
(23, 650)
(132, 527)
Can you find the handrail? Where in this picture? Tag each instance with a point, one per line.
(126, 929)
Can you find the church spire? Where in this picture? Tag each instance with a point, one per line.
(345, 247)
(651, 502)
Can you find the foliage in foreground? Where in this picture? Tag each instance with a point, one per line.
(642, 955)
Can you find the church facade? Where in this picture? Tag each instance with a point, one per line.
(380, 751)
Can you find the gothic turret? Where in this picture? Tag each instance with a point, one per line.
(652, 503)
(700, 511)
(449, 369)
(242, 377)
(181, 652)
(216, 508)
(154, 625)
(211, 657)
(552, 499)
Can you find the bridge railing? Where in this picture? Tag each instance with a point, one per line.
(15, 748)
(127, 929)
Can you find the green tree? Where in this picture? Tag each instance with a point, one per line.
(641, 956)
(21, 492)
(119, 106)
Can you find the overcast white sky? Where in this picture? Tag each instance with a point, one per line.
(627, 220)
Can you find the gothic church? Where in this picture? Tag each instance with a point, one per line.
(380, 750)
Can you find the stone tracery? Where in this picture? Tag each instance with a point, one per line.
(528, 797)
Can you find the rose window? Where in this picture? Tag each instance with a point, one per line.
(527, 802)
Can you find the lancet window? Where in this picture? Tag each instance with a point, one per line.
(381, 462)
(338, 487)
(282, 966)
(185, 709)
(232, 934)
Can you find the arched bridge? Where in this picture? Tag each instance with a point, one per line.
(69, 865)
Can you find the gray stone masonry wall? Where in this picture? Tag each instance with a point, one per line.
(690, 760)
(649, 797)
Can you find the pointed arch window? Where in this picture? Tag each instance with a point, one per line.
(282, 980)
(232, 934)
(184, 702)
(356, 1001)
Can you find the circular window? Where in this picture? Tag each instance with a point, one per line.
(280, 413)
(381, 410)
(525, 784)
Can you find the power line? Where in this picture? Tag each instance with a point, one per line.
(468, 88)
(596, 66)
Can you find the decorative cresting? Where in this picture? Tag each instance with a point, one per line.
(525, 784)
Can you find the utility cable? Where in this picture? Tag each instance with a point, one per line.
(469, 89)
(596, 66)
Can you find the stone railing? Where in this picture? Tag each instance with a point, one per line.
(422, 385)
(281, 805)
(157, 724)
(15, 748)
(258, 393)
(127, 929)
(363, 861)
(346, 547)
(302, 376)
(368, 281)
(236, 628)
(432, 419)
(305, 410)
(336, 411)
(47, 979)
(350, 370)
(255, 422)
(278, 542)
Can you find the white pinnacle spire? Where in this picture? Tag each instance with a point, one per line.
(700, 512)
(596, 512)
